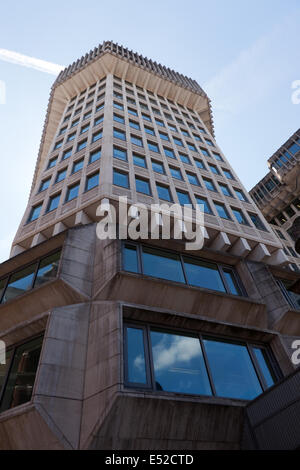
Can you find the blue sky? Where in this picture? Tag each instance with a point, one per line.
(244, 53)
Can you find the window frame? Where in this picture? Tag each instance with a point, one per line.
(220, 267)
(14, 348)
(27, 265)
(274, 368)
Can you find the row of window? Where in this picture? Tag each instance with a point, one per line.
(284, 157)
(121, 178)
(72, 192)
(289, 212)
(81, 145)
(158, 167)
(30, 277)
(91, 88)
(149, 130)
(77, 166)
(189, 363)
(172, 127)
(181, 268)
(81, 108)
(161, 360)
(141, 94)
(159, 122)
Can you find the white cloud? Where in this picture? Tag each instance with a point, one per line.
(31, 62)
(175, 350)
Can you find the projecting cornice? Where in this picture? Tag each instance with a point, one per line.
(110, 58)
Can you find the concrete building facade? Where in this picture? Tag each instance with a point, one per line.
(141, 344)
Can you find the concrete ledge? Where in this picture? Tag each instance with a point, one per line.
(154, 292)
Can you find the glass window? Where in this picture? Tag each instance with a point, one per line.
(200, 164)
(74, 123)
(72, 192)
(159, 123)
(97, 136)
(77, 165)
(214, 169)
(132, 111)
(206, 207)
(184, 158)
(209, 142)
(153, 147)
(130, 259)
(203, 274)
(232, 370)
(58, 145)
(240, 195)
(149, 130)
(222, 211)
(35, 212)
(53, 203)
(81, 145)
(205, 152)
(136, 361)
(294, 148)
(139, 160)
(209, 184)
(134, 125)
(20, 282)
(71, 137)
(193, 179)
(256, 221)
(142, 186)
(228, 174)
(136, 141)
(3, 283)
(217, 157)
(191, 147)
(86, 116)
(22, 373)
(178, 364)
(239, 216)
(263, 363)
(162, 265)
(158, 167)
(120, 179)
(48, 269)
(95, 155)
(169, 153)
(231, 281)
(121, 154)
(61, 175)
(175, 173)
(67, 154)
(164, 136)
(225, 190)
(184, 198)
(119, 134)
(52, 163)
(178, 141)
(118, 118)
(92, 181)
(5, 367)
(163, 192)
(44, 185)
(118, 105)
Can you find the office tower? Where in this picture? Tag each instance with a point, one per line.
(141, 344)
(277, 195)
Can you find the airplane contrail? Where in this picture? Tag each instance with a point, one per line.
(31, 62)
